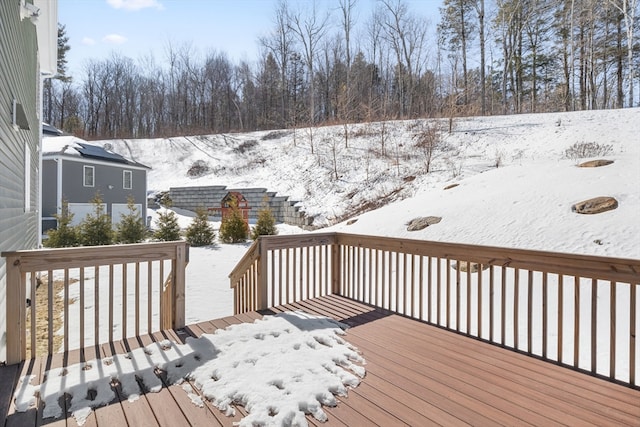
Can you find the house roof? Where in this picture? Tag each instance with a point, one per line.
(70, 146)
(49, 130)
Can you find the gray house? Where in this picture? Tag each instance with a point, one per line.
(74, 171)
(28, 54)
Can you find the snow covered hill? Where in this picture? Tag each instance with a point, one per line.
(516, 182)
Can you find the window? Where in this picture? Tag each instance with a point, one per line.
(126, 180)
(89, 176)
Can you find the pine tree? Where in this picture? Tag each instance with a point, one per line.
(65, 235)
(200, 232)
(266, 224)
(168, 229)
(96, 228)
(131, 228)
(233, 229)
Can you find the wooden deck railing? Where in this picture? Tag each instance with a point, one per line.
(580, 311)
(145, 282)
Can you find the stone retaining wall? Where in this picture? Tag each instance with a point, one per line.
(284, 210)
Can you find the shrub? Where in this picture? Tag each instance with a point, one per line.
(168, 229)
(581, 150)
(131, 228)
(65, 235)
(96, 228)
(233, 229)
(200, 232)
(266, 224)
(198, 168)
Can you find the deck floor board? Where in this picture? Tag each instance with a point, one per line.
(417, 375)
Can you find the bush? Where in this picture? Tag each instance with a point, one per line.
(168, 229)
(266, 224)
(96, 228)
(233, 229)
(199, 168)
(65, 235)
(582, 150)
(200, 232)
(131, 228)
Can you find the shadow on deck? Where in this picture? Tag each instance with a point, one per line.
(417, 375)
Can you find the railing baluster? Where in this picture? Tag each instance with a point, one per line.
(516, 309)
(491, 300)
(594, 324)
(421, 287)
(632, 332)
(81, 284)
(124, 301)
(33, 309)
(503, 306)
(545, 321)
(429, 288)
(439, 292)
(612, 325)
(96, 306)
(560, 315)
(479, 301)
(529, 311)
(137, 298)
(111, 301)
(397, 257)
(468, 276)
(413, 287)
(576, 321)
(50, 297)
(66, 309)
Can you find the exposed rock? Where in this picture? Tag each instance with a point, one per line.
(595, 163)
(595, 205)
(473, 267)
(422, 222)
(450, 186)
(352, 221)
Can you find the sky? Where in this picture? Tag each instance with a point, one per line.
(516, 187)
(137, 28)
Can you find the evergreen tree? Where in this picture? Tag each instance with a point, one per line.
(96, 228)
(233, 229)
(168, 229)
(131, 228)
(266, 224)
(65, 235)
(200, 232)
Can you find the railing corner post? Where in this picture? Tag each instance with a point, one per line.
(335, 268)
(262, 282)
(181, 260)
(16, 345)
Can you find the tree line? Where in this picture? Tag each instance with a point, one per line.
(321, 67)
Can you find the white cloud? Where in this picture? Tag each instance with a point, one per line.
(135, 4)
(88, 41)
(114, 39)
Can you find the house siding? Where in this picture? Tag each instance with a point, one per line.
(49, 193)
(74, 191)
(19, 79)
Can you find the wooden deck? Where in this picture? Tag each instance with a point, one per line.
(417, 375)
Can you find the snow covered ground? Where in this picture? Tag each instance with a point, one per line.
(516, 185)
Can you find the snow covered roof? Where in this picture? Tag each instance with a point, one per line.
(71, 146)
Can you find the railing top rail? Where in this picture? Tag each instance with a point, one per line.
(243, 265)
(86, 256)
(625, 270)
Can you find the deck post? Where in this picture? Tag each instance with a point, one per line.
(335, 268)
(16, 311)
(181, 260)
(261, 279)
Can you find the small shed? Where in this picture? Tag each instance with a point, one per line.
(226, 205)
